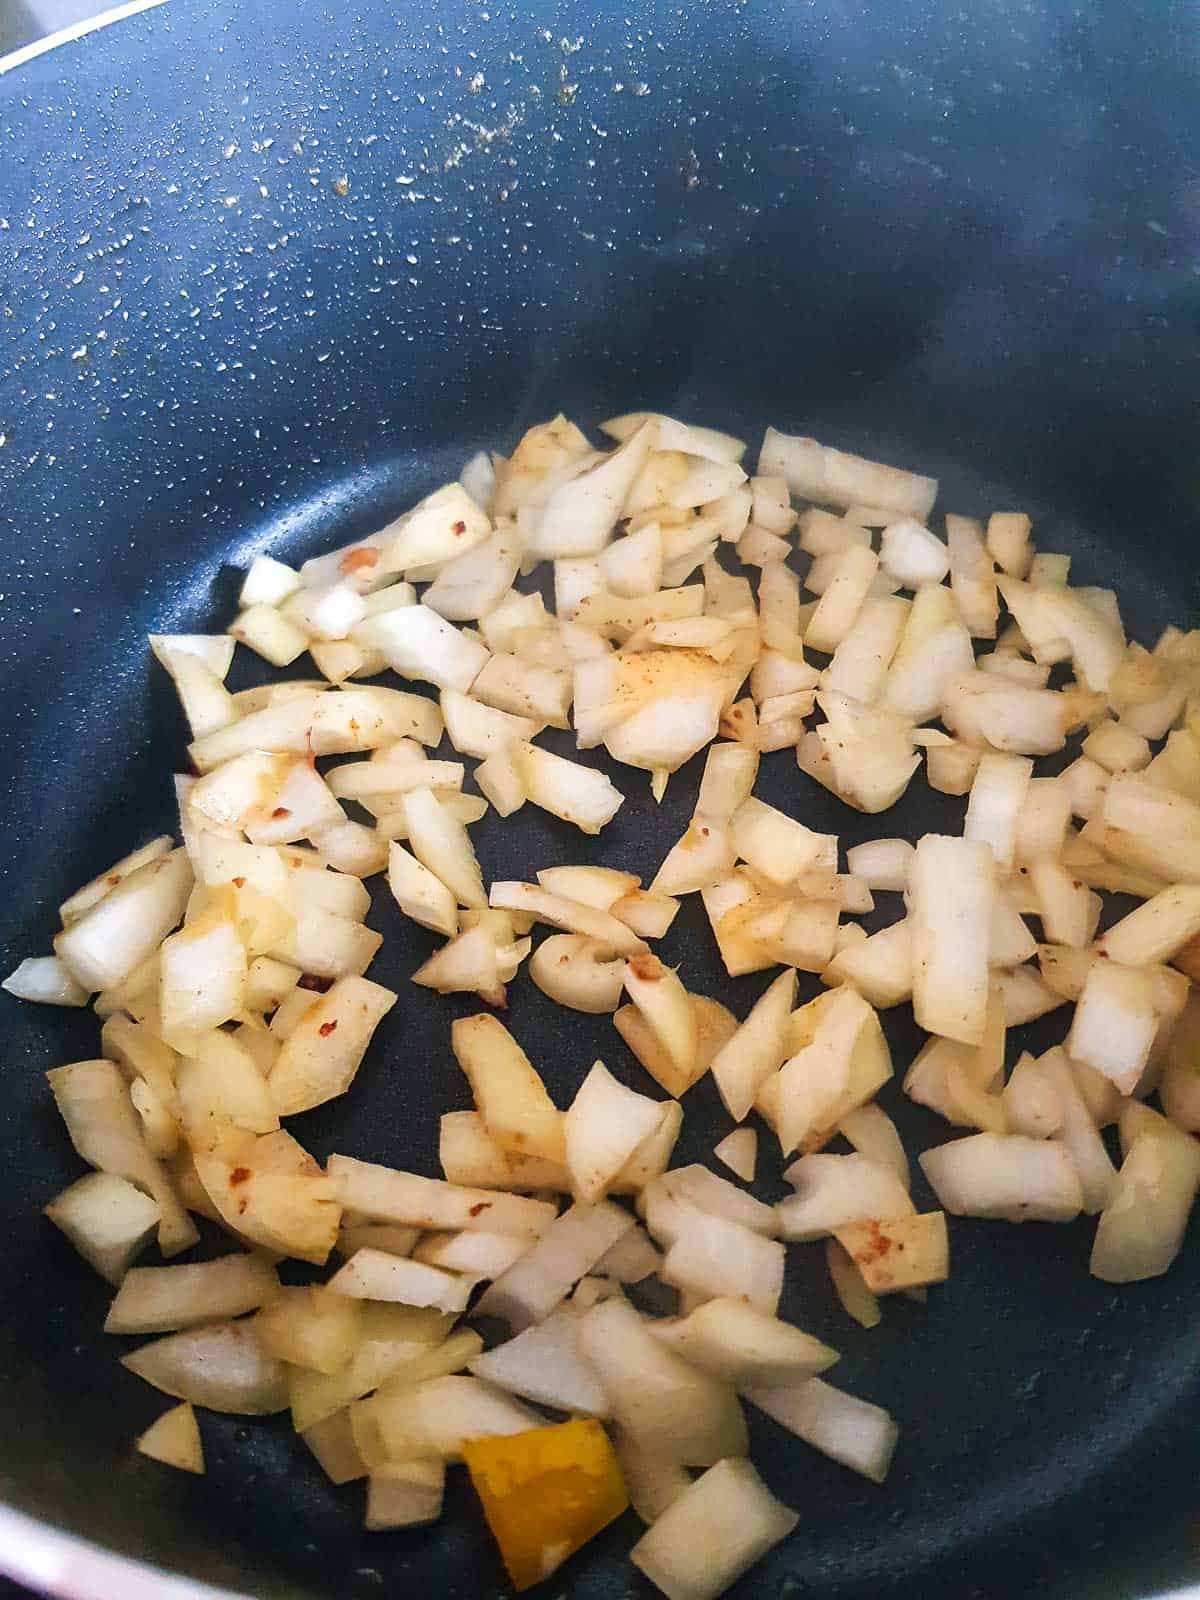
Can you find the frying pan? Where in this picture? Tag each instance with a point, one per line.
(269, 272)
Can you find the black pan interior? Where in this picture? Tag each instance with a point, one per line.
(266, 277)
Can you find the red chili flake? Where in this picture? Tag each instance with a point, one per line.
(238, 1175)
(279, 812)
(878, 1245)
(459, 527)
(113, 879)
(326, 1029)
(310, 980)
(361, 559)
(480, 1208)
(239, 883)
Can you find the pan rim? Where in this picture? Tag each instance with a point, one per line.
(52, 1561)
(76, 30)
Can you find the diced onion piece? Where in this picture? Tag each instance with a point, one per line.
(604, 1126)
(378, 1275)
(566, 789)
(972, 576)
(773, 843)
(632, 566)
(654, 1481)
(391, 1196)
(419, 893)
(997, 795)
(714, 1025)
(571, 916)
(1116, 748)
(736, 1342)
(202, 975)
(912, 555)
(880, 966)
(1179, 1085)
(223, 1368)
(404, 1494)
(206, 702)
(267, 583)
(703, 856)
(473, 583)
(320, 1057)
(530, 1290)
(500, 782)
(332, 1443)
(715, 1530)
(861, 661)
(107, 1219)
(1115, 1022)
(509, 1095)
(479, 1255)
(655, 1396)
(649, 915)
(1155, 931)
(873, 1134)
(1141, 1230)
(174, 1440)
(93, 1100)
(850, 1286)
(843, 598)
(470, 1158)
(952, 885)
(757, 1049)
(702, 1190)
(832, 1191)
(579, 515)
(441, 843)
(476, 729)
(105, 943)
(739, 1152)
(420, 644)
(544, 1365)
(310, 1327)
(83, 899)
(1008, 1176)
(842, 1067)
(901, 1253)
(437, 1417)
(1032, 1100)
(1008, 542)
(269, 634)
(577, 972)
(394, 1342)
(668, 705)
(716, 1257)
(832, 477)
(666, 1006)
(45, 980)
(854, 1432)
(934, 650)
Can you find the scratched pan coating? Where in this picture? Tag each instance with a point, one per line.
(267, 274)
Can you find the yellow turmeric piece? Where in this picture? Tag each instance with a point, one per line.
(545, 1493)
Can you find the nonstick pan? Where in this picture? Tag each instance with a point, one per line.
(269, 272)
